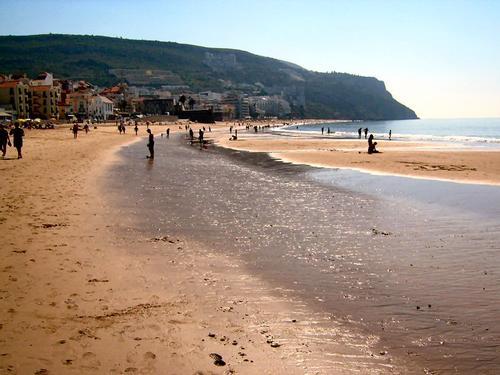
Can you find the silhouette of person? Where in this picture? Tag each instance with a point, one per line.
(136, 129)
(86, 128)
(371, 145)
(328, 131)
(151, 144)
(168, 132)
(366, 132)
(390, 134)
(4, 140)
(200, 138)
(75, 130)
(191, 134)
(359, 132)
(18, 134)
(322, 131)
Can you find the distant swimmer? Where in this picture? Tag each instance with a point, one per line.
(151, 144)
(390, 134)
(371, 145)
(359, 132)
(366, 132)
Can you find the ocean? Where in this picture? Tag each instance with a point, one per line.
(475, 132)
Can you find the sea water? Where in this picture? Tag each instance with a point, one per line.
(471, 131)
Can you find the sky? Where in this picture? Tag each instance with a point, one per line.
(441, 58)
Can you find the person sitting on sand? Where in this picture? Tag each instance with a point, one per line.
(371, 145)
(18, 134)
(4, 140)
(151, 144)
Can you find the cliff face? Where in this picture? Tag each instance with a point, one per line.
(104, 61)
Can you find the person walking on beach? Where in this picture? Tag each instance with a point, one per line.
(4, 140)
(136, 129)
(151, 144)
(168, 132)
(200, 138)
(366, 132)
(359, 132)
(390, 134)
(86, 128)
(18, 134)
(191, 134)
(75, 130)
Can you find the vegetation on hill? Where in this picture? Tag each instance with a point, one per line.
(105, 61)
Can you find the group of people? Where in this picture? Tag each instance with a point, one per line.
(17, 134)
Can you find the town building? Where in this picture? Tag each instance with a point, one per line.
(15, 98)
(100, 107)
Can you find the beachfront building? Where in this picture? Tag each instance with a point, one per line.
(45, 96)
(269, 106)
(15, 97)
(239, 103)
(80, 103)
(100, 107)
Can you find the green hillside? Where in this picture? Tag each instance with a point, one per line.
(105, 61)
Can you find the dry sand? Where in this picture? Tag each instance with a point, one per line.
(419, 160)
(78, 297)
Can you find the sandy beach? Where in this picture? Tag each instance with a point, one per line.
(81, 295)
(419, 160)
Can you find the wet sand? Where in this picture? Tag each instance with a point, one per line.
(419, 160)
(389, 277)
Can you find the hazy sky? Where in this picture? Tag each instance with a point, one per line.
(441, 58)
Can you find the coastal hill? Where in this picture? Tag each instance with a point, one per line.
(105, 61)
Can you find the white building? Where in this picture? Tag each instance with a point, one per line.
(100, 107)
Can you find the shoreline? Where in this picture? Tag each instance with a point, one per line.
(420, 160)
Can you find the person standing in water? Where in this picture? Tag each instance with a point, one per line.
(168, 132)
(390, 134)
(366, 132)
(322, 131)
(359, 132)
(200, 138)
(17, 134)
(151, 144)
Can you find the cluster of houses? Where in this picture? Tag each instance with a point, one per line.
(47, 98)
